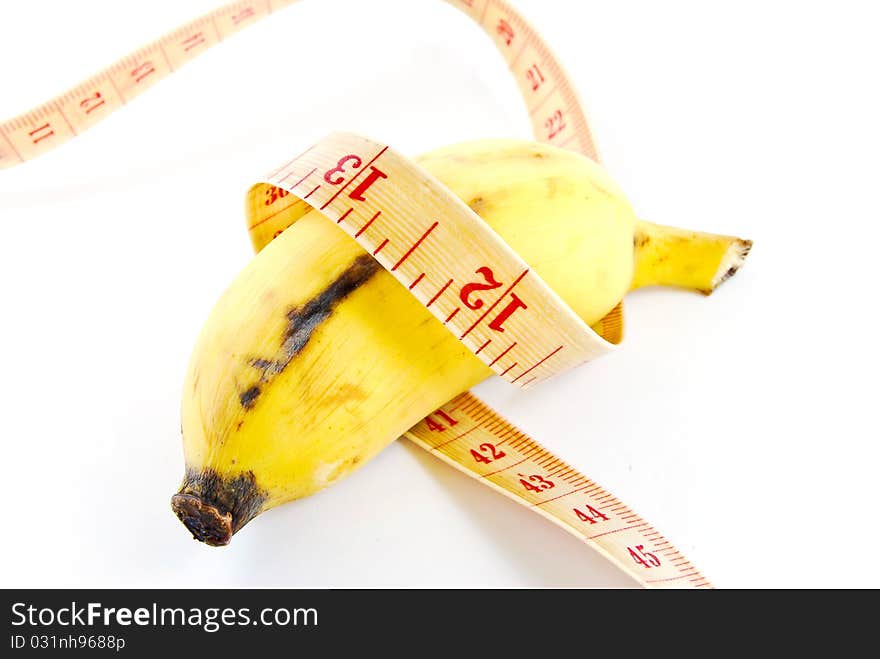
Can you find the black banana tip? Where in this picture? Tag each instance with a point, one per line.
(204, 520)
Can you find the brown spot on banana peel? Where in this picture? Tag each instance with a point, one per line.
(344, 394)
(249, 397)
(214, 507)
(478, 205)
(303, 321)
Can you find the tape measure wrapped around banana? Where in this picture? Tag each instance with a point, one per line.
(316, 357)
(339, 337)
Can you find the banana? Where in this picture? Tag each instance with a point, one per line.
(316, 358)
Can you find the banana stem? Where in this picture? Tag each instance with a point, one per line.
(667, 256)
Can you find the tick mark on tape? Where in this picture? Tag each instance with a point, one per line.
(682, 576)
(314, 190)
(245, 13)
(344, 215)
(380, 247)
(416, 281)
(191, 42)
(299, 182)
(367, 225)
(414, 246)
(625, 528)
(439, 293)
(568, 141)
(452, 315)
(541, 503)
(11, 145)
(538, 106)
(515, 59)
(537, 365)
(456, 438)
(492, 473)
(508, 349)
(273, 174)
(504, 372)
(480, 349)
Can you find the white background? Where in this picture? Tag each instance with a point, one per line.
(744, 426)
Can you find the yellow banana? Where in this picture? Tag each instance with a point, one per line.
(316, 358)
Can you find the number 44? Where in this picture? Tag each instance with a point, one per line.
(592, 515)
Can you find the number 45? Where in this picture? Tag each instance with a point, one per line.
(642, 557)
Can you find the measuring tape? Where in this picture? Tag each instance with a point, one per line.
(438, 248)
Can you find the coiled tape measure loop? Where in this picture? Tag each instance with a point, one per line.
(434, 245)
